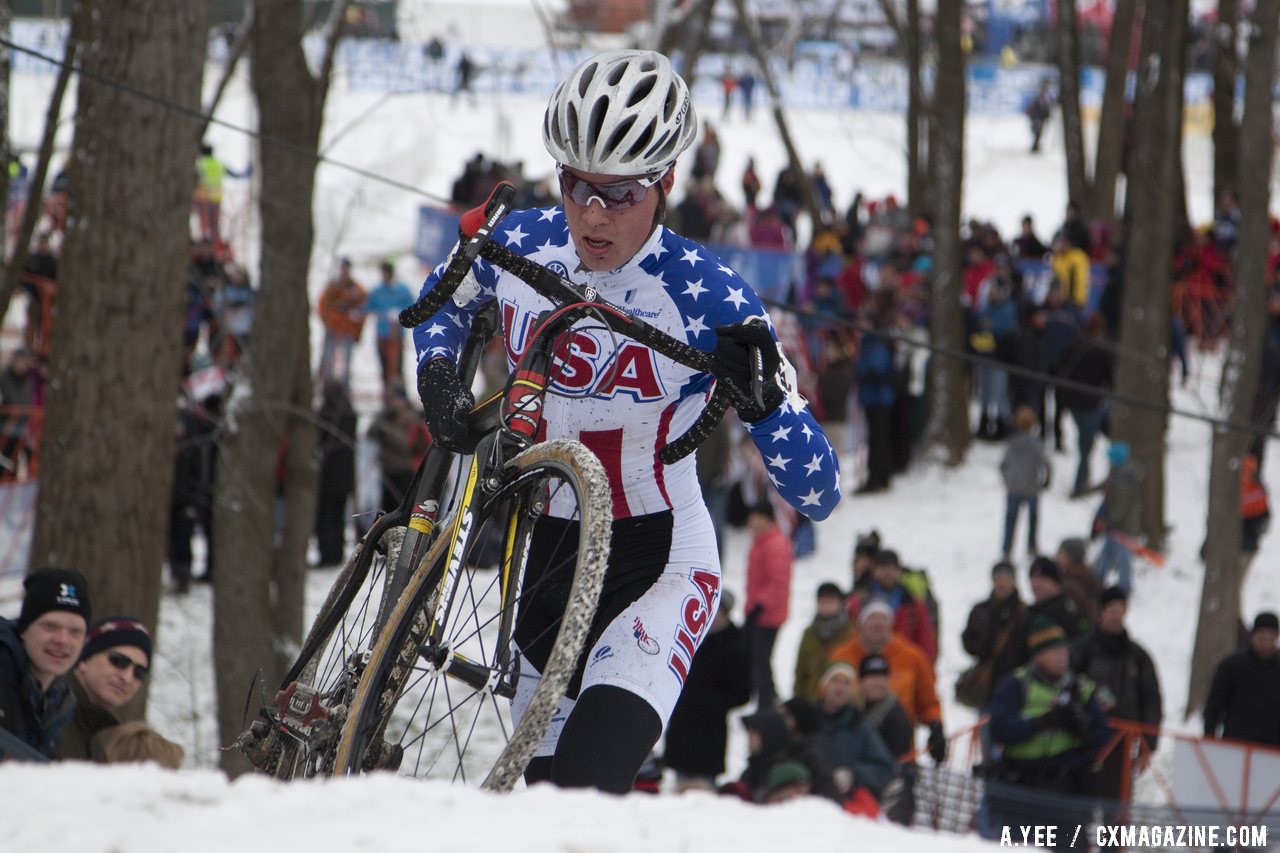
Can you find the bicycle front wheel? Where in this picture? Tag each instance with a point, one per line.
(434, 699)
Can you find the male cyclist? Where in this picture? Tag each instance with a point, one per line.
(615, 128)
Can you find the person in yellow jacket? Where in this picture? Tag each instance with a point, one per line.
(208, 196)
(1070, 266)
(1047, 725)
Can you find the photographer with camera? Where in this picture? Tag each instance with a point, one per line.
(1047, 726)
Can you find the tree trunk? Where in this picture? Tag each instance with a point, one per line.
(1068, 43)
(6, 151)
(1113, 120)
(1142, 371)
(803, 177)
(258, 592)
(699, 23)
(1224, 571)
(116, 348)
(1226, 145)
(947, 428)
(35, 189)
(919, 198)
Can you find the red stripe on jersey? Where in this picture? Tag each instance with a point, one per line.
(606, 444)
(659, 470)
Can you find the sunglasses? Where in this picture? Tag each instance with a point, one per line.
(123, 661)
(618, 194)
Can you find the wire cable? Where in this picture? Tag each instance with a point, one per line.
(196, 114)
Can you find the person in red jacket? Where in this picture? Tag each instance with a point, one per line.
(768, 595)
(910, 615)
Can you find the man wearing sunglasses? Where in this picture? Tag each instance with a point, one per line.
(36, 651)
(113, 665)
(615, 128)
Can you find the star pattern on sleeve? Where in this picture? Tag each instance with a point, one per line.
(695, 289)
(782, 433)
(814, 498)
(435, 329)
(548, 214)
(778, 461)
(735, 296)
(814, 465)
(696, 326)
(692, 257)
(515, 237)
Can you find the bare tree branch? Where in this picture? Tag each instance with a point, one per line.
(238, 45)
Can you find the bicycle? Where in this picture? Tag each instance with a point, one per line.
(414, 643)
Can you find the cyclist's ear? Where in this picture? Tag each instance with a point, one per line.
(668, 180)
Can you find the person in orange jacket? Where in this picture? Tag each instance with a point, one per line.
(911, 677)
(342, 311)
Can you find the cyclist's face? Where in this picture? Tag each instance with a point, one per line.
(607, 237)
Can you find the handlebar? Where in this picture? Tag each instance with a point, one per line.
(476, 225)
(476, 228)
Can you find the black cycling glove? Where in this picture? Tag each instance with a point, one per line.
(731, 362)
(445, 403)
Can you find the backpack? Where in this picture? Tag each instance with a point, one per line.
(916, 582)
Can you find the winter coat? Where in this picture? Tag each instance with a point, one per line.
(875, 371)
(337, 446)
(1035, 751)
(35, 717)
(79, 741)
(1058, 609)
(816, 644)
(341, 308)
(390, 431)
(1082, 587)
(989, 621)
(910, 616)
(719, 681)
(891, 723)
(911, 676)
(1071, 268)
(846, 740)
(1121, 666)
(778, 744)
(1244, 699)
(1121, 511)
(1061, 332)
(769, 578)
(1025, 468)
(1089, 363)
(196, 460)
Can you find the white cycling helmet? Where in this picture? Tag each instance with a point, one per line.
(621, 112)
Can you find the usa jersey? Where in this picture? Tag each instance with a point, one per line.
(617, 396)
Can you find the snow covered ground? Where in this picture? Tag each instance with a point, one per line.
(948, 521)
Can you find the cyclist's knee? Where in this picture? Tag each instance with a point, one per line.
(605, 740)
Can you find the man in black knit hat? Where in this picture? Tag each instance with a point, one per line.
(36, 653)
(113, 666)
